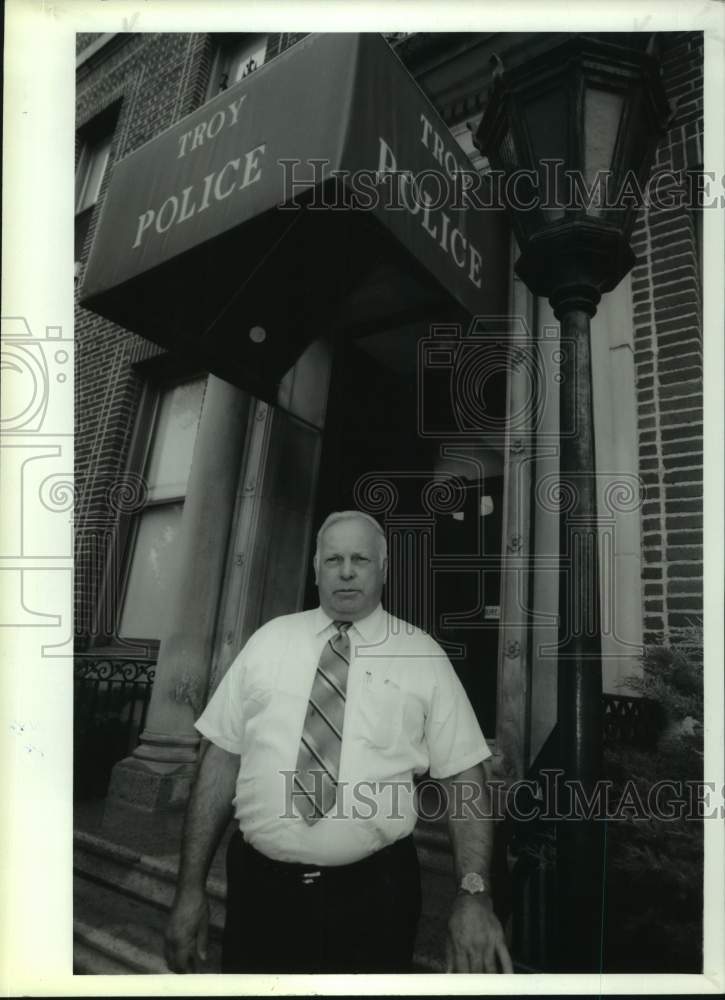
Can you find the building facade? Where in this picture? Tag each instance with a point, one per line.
(198, 498)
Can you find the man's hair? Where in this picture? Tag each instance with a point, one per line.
(350, 515)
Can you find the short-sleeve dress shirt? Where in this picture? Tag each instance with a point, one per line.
(406, 713)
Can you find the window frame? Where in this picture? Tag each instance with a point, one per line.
(100, 131)
(159, 374)
(224, 56)
(144, 446)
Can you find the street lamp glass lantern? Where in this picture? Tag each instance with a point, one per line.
(573, 131)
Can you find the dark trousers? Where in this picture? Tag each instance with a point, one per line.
(348, 918)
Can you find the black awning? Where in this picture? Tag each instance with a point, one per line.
(276, 201)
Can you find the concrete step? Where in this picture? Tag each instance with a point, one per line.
(107, 927)
(87, 961)
(122, 899)
(116, 934)
(121, 904)
(141, 877)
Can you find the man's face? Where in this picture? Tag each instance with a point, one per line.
(349, 576)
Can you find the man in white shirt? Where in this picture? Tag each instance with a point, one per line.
(316, 733)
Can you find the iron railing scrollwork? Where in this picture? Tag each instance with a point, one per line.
(110, 700)
(626, 720)
(629, 719)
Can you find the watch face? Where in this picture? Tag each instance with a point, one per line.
(472, 882)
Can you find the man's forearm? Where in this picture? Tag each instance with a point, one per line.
(207, 814)
(475, 941)
(469, 824)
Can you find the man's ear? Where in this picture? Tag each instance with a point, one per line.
(385, 569)
(316, 568)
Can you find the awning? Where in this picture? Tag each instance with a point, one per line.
(241, 232)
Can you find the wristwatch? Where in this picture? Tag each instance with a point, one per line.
(472, 883)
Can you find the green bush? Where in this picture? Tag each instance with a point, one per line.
(655, 866)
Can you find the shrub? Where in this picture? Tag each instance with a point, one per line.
(655, 865)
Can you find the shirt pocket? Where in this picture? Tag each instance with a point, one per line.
(380, 712)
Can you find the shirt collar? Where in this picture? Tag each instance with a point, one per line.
(368, 628)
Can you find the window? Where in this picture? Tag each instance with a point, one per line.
(155, 530)
(237, 57)
(95, 152)
(93, 168)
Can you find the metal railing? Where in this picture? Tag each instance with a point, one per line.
(628, 720)
(110, 700)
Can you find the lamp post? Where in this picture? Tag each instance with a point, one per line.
(572, 134)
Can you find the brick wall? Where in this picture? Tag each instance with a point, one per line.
(668, 358)
(152, 80)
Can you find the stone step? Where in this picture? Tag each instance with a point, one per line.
(106, 930)
(87, 961)
(115, 934)
(124, 897)
(141, 877)
(98, 952)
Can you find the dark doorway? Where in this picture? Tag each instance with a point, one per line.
(438, 497)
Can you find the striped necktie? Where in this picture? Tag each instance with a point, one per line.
(318, 761)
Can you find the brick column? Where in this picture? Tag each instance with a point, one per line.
(668, 359)
(158, 774)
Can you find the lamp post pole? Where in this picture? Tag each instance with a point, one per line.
(592, 106)
(571, 268)
(580, 855)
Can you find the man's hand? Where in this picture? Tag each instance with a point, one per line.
(186, 932)
(475, 937)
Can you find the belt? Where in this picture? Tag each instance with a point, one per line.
(310, 874)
